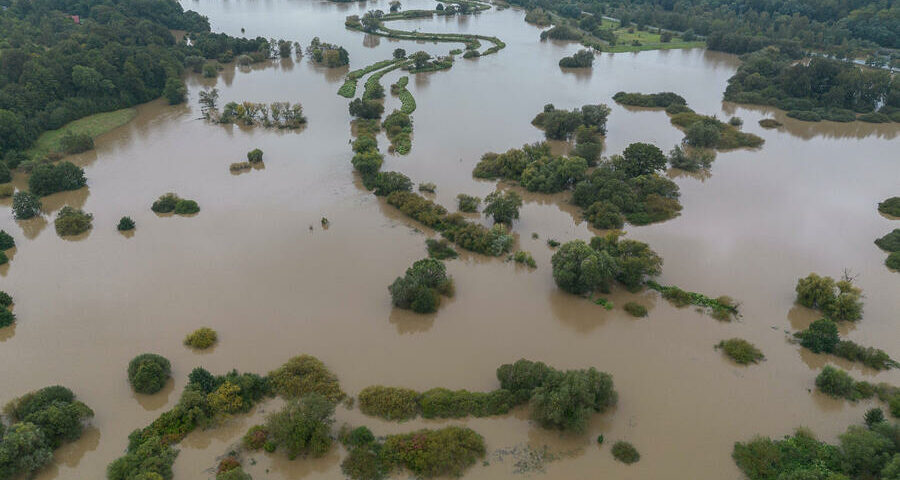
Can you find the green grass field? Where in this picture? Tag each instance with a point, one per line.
(93, 125)
(648, 41)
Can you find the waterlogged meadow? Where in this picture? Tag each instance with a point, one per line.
(297, 258)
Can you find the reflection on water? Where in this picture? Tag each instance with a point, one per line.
(251, 267)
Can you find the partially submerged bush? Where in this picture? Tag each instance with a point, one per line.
(186, 207)
(837, 383)
(440, 249)
(255, 156)
(387, 183)
(524, 258)
(72, 221)
(503, 206)
(255, 438)
(48, 178)
(625, 452)
(303, 426)
(72, 143)
(6, 240)
(741, 351)
(148, 373)
(125, 224)
(7, 318)
(839, 301)
(305, 374)
(769, 123)
(420, 288)
(433, 453)
(391, 403)
(165, 204)
(467, 203)
(888, 243)
(891, 207)
(822, 337)
(25, 205)
(635, 309)
(427, 187)
(202, 338)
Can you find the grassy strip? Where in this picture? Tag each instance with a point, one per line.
(348, 89)
(93, 125)
(408, 103)
(376, 77)
(471, 41)
(722, 308)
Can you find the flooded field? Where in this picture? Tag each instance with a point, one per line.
(256, 265)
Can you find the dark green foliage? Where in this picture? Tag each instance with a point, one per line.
(821, 336)
(305, 374)
(643, 199)
(562, 32)
(522, 377)
(581, 59)
(873, 417)
(888, 243)
(398, 128)
(125, 224)
(5, 299)
(721, 308)
(769, 123)
(797, 456)
(7, 318)
(432, 453)
(691, 159)
(149, 457)
(893, 260)
(444, 403)
(420, 288)
(839, 301)
(535, 167)
(654, 100)
(72, 221)
(72, 143)
(327, 54)
(625, 452)
(503, 206)
(255, 438)
(366, 108)
(891, 207)
(25, 205)
(418, 207)
(303, 426)
(440, 249)
(524, 258)
(635, 309)
(604, 215)
(703, 131)
(48, 178)
(6, 240)
(165, 204)
(641, 159)
(565, 400)
(357, 437)
(391, 403)
(148, 373)
(389, 182)
(186, 207)
(837, 383)
(580, 268)
(467, 203)
(741, 351)
(255, 156)
(175, 91)
(365, 462)
(561, 124)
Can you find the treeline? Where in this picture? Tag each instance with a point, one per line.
(740, 26)
(120, 54)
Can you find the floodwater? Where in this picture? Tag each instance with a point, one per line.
(256, 265)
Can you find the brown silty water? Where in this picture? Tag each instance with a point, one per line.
(250, 266)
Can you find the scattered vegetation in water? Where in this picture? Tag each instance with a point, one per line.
(327, 54)
(202, 338)
(840, 301)
(239, 167)
(282, 115)
(39, 423)
(635, 309)
(561, 124)
(72, 221)
(721, 308)
(837, 383)
(407, 101)
(534, 167)
(440, 249)
(172, 203)
(366, 109)
(741, 351)
(581, 59)
(651, 100)
(387, 183)
(7, 317)
(625, 452)
(398, 127)
(126, 224)
(467, 203)
(305, 374)
(25, 205)
(769, 123)
(51, 178)
(6, 299)
(148, 373)
(893, 261)
(420, 289)
(691, 159)
(890, 206)
(552, 243)
(503, 206)
(524, 258)
(605, 303)
(822, 337)
(580, 268)
(427, 187)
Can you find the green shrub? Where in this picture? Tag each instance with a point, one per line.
(303, 426)
(6, 190)
(873, 416)
(837, 383)
(467, 203)
(48, 178)
(840, 301)
(6, 240)
(741, 351)
(691, 160)
(440, 249)
(255, 437)
(524, 258)
(72, 143)
(175, 91)
(821, 336)
(186, 207)
(305, 374)
(625, 452)
(435, 453)
(635, 309)
(604, 215)
(893, 261)
(125, 224)
(387, 183)
(888, 243)
(7, 318)
(420, 288)
(522, 377)
(769, 123)
(890, 207)
(255, 156)
(579, 269)
(72, 221)
(148, 373)
(5, 299)
(356, 437)
(565, 400)
(503, 206)
(391, 403)
(202, 338)
(236, 473)
(25, 205)
(165, 204)
(368, 109)
(651, 100)
(427, 187)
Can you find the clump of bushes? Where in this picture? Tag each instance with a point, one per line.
(635, 309)
(6, 190)
(769, 123)
(255, 156)
(420, 289)
(240, 166)
(721, 308)
(48, 178)
(888, 243)
(741, 351)
(691, 159)
(255, 438)
(503, 206)
(822, 337)
(303, 426)
(7, 318)
(284, 115)
(25, 205)
(398, 128)
(440, 249)
(427, 187)
(534, 167)
(41, 421)
(839, 384)
(327, 54)
(125, 224)
(72, 221)
(524, 258)
(386, 183)
(170, 202)
(72, 143)
(893, 261)
(305, 374)
(891, 207)
(369, 109)
(148, 373)
(467, 203)
(186, 207)
(391, 403)
(625, 452)
(839, 301)
(651, 100)
(6, 240)
(583, 58)
(580, 268)
(561, 124)
(202, 338)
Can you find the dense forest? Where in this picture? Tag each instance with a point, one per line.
(118, 54)
(841, 27)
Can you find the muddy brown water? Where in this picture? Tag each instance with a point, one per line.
(250, 266)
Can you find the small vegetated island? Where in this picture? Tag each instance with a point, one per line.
(38, 423)
(172, 203)
(891, 243)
